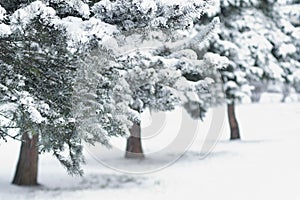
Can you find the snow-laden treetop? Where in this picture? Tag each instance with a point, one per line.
(85, 20)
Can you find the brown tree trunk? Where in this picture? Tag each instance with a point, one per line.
(27, 167)
(134, 144)
(234, 126)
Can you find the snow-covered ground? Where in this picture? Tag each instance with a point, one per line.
(264, 165)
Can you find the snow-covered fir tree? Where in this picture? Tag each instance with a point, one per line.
(260, 46)
(289, 13)
(38, 71)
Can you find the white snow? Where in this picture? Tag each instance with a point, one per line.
(231, 84)
(82, 7)
(296, 75)
(80, 31)
(277, 71)
(23, 16)
(218, 61)
(31, 107)
(286, 49)
(35, 115)
(264, 165)
(256, 70)
(2, 13)
(146, 5)
(296, 33)
(4, 29)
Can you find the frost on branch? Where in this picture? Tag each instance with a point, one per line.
(100, 99)
(154, 14)
(76, 8)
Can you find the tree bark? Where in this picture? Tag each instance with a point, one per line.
(234, 126)
(27, 167)
(134, 147)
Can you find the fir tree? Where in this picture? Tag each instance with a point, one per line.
(38, 74)
(260, 46)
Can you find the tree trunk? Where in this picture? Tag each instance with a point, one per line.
(234, 126)
(256, 94)
(27, 167)
(134, 144)
(259, 89)
(285, 92)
